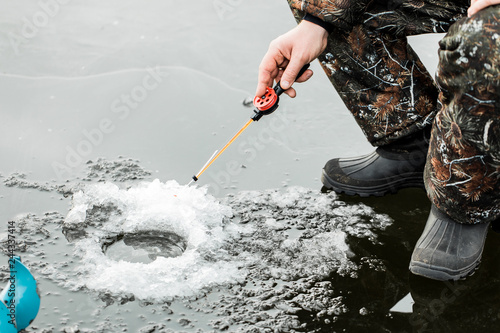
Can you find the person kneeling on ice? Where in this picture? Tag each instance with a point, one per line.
(445, 136)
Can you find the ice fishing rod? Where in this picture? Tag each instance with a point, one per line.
(264, 105)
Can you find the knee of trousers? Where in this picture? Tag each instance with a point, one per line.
(469, 55)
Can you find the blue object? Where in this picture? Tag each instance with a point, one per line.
(20, 298)
(5, 326)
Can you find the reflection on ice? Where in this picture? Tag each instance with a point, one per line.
(405, 305)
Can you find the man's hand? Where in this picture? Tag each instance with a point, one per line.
(288, 53)
(477, 5)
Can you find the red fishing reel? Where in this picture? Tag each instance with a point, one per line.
(265, 104)
(268, 103)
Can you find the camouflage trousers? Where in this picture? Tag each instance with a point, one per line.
(391, 95)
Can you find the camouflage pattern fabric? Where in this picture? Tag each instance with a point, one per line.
(391, 95)
(463, 163)
(398, 17)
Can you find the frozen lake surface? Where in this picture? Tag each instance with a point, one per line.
(108, 109)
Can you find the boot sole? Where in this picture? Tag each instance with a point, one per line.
(443, 274)
(391, 186)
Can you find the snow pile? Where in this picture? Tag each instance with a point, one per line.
(105, 209)
(249, 237)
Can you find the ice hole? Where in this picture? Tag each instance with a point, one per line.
(144, 246)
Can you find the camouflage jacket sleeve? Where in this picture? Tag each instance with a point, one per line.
(341, 13)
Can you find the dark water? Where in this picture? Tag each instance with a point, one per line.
(124, 93)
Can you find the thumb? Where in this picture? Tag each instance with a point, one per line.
(290, 73)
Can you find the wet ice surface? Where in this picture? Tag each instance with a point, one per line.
(268, 251)
(289, 259)
(252, 260)
(281, 260)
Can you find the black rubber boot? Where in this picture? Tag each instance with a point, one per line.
(388, 169)
(448, 250)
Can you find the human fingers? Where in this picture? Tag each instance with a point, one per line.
(305, 76)
(269, 69)
(291, 72)
(291, 92)
(477, 5)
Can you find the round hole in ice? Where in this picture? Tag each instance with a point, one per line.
(144, 246)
